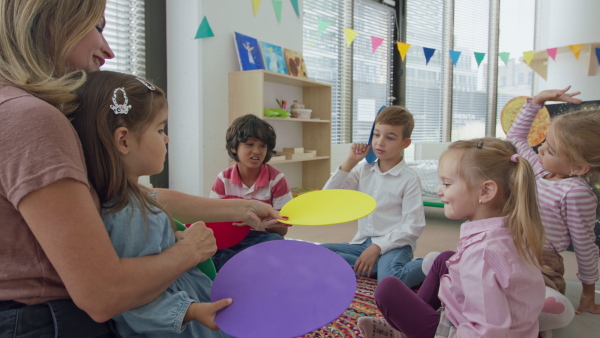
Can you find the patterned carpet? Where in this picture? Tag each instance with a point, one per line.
(362, 305)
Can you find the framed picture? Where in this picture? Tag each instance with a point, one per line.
(273, 58)
(248, 52)
(295, 63)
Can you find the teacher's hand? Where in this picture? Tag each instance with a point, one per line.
(259, 215)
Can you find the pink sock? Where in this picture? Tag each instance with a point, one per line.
(374, 327)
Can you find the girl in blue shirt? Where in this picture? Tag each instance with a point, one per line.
(121, 121)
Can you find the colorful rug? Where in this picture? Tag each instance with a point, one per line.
(362, 305)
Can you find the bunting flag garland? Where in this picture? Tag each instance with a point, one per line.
(255, 5)
(504, 57)
(375, 43)
(552, 53)
(277, 8)
(454, 55)
(350, 35)
(204, 31)
(403, 49)
(296, 8)
(528, 56)
(598, 55)
(576, 49)
(322, 26)
(428, 54)
(479, 57)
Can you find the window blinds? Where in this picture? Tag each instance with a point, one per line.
(425, 28)
(372, 72)
(124, 32)
(360, 79)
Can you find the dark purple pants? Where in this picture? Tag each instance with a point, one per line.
(414, 314)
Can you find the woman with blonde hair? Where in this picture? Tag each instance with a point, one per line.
(59, 273)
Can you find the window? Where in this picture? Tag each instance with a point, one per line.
(124, 33)
(361, 80)
(425, 27)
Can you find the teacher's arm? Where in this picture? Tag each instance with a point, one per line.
(189, 208)
(66, 223)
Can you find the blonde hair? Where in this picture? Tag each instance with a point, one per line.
(397, 116)
(95, 122)
(489, 158)
(577, 135)
(36, 36)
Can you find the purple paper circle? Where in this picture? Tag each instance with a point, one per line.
(282, 289)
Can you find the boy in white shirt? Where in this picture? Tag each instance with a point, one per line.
(386, 239)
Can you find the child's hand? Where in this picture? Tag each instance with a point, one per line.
(204, 313)
(365, 263)
(199, 239)
(358, 151)
(587, 300)
(556, 95)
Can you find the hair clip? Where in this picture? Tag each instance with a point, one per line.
(479, 144)
(120, 108)
(146, 83)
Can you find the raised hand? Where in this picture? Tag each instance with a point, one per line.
(358, 151)
(556, 95)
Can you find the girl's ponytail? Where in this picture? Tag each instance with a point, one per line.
(524, 221)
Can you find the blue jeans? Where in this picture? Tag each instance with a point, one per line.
(254, 237)
(397, 262)
(57, 318)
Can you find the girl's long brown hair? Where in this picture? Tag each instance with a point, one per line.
(490, 159)
(96, 122)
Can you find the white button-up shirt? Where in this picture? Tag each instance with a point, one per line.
(399, 217)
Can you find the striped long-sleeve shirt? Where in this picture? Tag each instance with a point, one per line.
(567, 206)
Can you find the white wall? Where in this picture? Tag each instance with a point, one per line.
(198, 79)
(563, 23)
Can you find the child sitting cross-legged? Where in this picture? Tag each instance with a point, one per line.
(250, 141)
(386, 239)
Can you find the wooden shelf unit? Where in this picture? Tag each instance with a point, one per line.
(247, 96)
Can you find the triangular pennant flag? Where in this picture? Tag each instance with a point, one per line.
(454, 55)
(277, 8)
(296, 8)
(403, 49)
(428, 54)
(204, 31)
(576, 49)
(479, 57)
(255, 5)
(504, 57)
(322, 26)
(598, 55)
(350, 35)
(552, 53)
(528, 56)
(375, 43)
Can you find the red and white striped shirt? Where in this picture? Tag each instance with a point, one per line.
(270, 187)
(567, 206)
